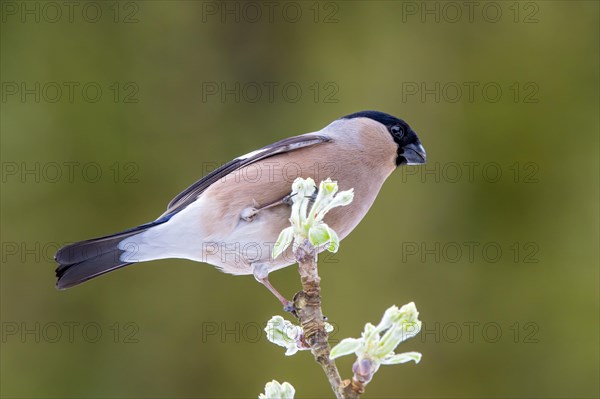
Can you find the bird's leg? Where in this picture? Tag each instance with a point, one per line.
(248, 214)
(261, 274)
(287, 200)
(288, 306)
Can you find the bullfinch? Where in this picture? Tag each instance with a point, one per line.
(232, 217)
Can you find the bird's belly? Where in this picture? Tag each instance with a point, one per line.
(249, 242)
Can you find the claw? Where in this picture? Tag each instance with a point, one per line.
(248, 214)
(291, 308)
(288, 199)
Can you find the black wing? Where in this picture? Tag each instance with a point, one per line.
(191, 193)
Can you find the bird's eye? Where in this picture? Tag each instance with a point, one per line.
(397, 131)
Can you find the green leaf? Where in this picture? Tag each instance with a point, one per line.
(302, 186)
(328, 187)
(334, 241)
(319, 234)
(389, 341)
(283, 241)
(283, 333)
(410, 329)
(275, 390)
(402, 358)
(341, 199)
(410, 312)
(391, 315)
(369, 331)
(346, 347)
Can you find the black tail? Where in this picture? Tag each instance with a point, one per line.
(85, 260)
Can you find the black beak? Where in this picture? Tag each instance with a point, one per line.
(413, 154)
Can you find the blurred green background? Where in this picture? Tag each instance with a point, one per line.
(514, 171)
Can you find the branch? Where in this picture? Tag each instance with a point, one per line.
(308, 233)
(308, 308)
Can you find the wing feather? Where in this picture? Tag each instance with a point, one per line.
(191, 193)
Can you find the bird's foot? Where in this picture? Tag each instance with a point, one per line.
(248, 214)
(290, 308)
(288, 199)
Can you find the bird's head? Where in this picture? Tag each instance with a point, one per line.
(410, 151)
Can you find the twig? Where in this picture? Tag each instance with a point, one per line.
(308, 232)
(353, 388)
(308, 307)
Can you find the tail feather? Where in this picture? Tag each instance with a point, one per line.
(85, 260)
(77, 273)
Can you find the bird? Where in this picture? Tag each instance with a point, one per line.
(232, 217)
